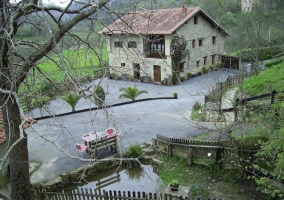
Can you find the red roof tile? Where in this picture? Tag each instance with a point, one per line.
(163, 21)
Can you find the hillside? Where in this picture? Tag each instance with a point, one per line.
(266, 81)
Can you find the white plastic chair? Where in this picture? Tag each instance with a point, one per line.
(80, 148)
(110, 132)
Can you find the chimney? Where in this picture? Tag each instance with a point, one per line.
(184, 8)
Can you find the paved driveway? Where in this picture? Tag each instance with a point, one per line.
(139, 122)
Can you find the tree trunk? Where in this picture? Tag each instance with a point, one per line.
(19, 161)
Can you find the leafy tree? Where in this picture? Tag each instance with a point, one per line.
(17, 61)
(131, 92)
(99, 95)
(177, 53)
(252, 31)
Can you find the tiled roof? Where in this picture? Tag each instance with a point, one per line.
(163, 21)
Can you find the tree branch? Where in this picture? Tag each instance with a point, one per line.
(47, 47)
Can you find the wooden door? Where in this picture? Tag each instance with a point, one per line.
(136, 68)
(157, 73)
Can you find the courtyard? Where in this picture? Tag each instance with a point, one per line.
(138, 122)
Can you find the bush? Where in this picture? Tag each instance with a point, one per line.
(212, 67)
(204, 70)
(199, 73)
(196, 106)
(274, 62)
(40, 101)
(219, 65)
(99, 95)
(182, 78)
(134, 151)
(189, 75)
(265, 53)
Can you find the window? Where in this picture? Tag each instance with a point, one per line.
(157, 44)
(200, 42)
(197, 63)
(181, 67)
(132, 44)
(193, 44)
(118, 44)
(214, 40)
(213, 59)
(122, 64)
(205, 61)
(195, 19)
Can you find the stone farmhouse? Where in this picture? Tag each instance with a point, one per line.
(139, 42)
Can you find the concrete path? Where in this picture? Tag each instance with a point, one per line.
(228, 98)
(228, 102)
(139, 122)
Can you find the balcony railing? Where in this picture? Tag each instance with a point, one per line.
(158, 55)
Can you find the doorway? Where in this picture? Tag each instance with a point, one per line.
(136, 69)
(157, 73)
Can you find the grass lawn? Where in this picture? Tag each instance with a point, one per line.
(266, 81)
(204, 181)
(78, 63)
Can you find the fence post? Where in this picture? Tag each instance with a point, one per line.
(236, 109)
(220, 109)
(169, 150)
(273, 93)
(105, 195)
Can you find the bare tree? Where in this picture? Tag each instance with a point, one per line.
(18, 59)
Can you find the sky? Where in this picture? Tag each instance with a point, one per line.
(61, 3)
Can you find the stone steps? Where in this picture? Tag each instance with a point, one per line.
(148, 144)
(150, 154)
(149, 151)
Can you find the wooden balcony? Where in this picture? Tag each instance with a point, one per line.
(156, 55)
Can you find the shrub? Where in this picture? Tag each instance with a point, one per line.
(182, 78)
(219, 65)
(134, 151)
(204, 70)
(196, 106)
(211, 67)
(199, 73)
(40, 101)
(99, 95)
(265, 53)
(189, 75)
(274, 62)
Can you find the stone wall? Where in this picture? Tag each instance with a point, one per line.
(77, 175)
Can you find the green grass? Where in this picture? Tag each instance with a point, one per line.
(78, 63)
(265, 81)
(196, 116)
(202, 181)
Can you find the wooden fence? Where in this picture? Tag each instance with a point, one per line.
(244, 102)
(218, 154)
(90, 194)
(215, 94)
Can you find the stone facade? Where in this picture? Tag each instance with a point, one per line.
(205, 53)
(135, 60)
